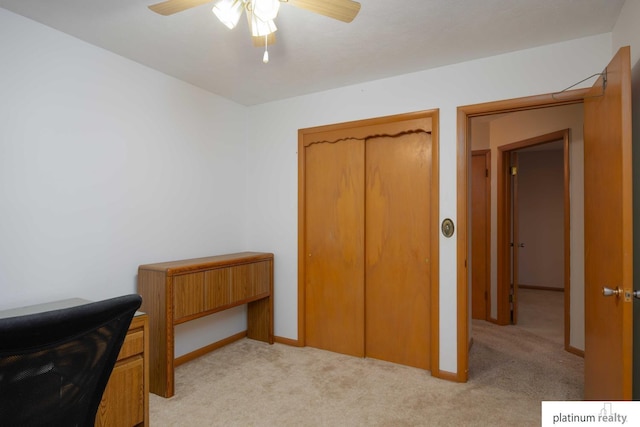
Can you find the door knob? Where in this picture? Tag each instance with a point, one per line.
(607, 292)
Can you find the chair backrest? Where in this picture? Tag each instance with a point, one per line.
(54, 365)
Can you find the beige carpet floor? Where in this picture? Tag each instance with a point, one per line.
(250, 383)
(541, 312)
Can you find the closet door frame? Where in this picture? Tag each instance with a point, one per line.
(434, 225)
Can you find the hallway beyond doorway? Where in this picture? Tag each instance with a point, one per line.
(541, 312)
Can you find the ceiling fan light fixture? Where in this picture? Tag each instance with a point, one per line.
(260, 28)
(261, 13)
(266, 10)
(228, 12)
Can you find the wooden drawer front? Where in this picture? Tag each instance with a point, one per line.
(217, 288)
(240, 279)
(133, 344)
(261, 277)
(249, 280)
(119, 408)
(188, 291)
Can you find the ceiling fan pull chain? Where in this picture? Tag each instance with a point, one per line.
(265, 58)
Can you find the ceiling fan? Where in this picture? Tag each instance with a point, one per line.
(261, 13)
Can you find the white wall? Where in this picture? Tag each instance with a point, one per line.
(480, 133)
(106, 165)
(273, 141)
(626, 31)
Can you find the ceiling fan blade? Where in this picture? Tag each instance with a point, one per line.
(170, 7)
(342, 10)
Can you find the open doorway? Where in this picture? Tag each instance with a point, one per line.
(540, 137)
(493, 125)
(529, 245)
(534, 223)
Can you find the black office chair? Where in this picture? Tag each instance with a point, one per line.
(54, 365)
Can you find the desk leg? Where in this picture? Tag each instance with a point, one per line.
(260, 320)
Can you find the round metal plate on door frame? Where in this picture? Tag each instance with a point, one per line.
(447, 227)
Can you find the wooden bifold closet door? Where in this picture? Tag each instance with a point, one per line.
(335, 247)
(367, 242)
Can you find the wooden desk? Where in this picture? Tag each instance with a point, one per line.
(179, 291)
(125, 401)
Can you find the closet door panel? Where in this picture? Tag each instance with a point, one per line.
(398, 186)
(334, 259)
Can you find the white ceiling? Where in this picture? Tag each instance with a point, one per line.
(314, 53)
